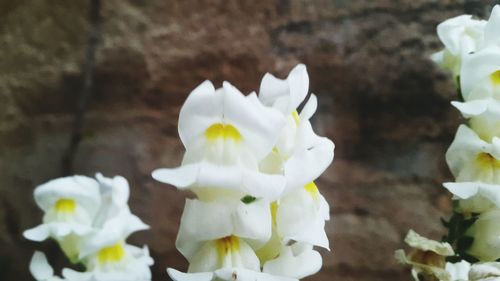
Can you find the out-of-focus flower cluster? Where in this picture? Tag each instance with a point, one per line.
(471, 248)
(251, 161)
(90, 219)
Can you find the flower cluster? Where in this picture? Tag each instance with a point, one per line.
(472, 55)
(252, 162)
(90, 219)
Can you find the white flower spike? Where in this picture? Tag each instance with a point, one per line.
(251, 161)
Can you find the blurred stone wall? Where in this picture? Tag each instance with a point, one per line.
(382, 101)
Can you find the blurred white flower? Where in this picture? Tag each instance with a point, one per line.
(100, 208)
(486, 233)
(427, 257)
(118, 262)
(70, 205)
(489, 271)
(226, 134)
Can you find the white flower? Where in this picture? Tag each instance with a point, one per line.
(463, 36)
(119, 262)
(427, 257)
(472, 159)
(460, 35)
(226, 135)
(480, 68)
(226, 274)
(41, 269)
(486, 233)
(296, 261)
(489, 271)
(70, 205)
(227, 258)
(205, 221)
(458, 271)
(301, 216)
(300, 154)
(474, 197)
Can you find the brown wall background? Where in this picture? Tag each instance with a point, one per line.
(381, 100)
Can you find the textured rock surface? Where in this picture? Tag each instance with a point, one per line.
(382, 101)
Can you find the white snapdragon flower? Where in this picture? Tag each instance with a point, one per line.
(227, 258)
(489, 271)
(226, 274)
(460, 36)
(486, 233)
(472, 159)
(476, 166)
(427, 257)
(301, 216)
(463, 36)
(41, 269)
(70, 207)
(226, 135)
(206, 221)
(300, 155)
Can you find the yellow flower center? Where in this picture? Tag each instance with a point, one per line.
(65, 206)
(113, 253)
(312, 189)
(225, 131)
(487, 161)
(295, 116)
(226, 245)
(495, 78)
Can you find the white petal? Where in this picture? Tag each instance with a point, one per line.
(309, 108)
(460, 34)
(299, 218)
(492, 28)
(84, 190)
(475, 196)
(180, 276)
(201, 109)
(471, 108)
(180, 177)
(203, 221)
(242, 274)
(285, 95)
(477, 67)
(310, 158)
(114, 230)
(40, 267)
(221, 254)
(463, 152)
(205, 176)
(300, 265)
(38, 233)
(74, 275)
